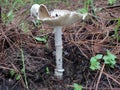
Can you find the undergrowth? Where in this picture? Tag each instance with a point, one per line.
(109, 59)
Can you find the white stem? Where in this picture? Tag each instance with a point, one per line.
(58, 44)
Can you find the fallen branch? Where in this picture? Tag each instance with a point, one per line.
(109, 7)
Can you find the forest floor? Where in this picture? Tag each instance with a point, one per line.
(81, 41)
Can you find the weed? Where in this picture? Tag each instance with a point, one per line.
(13, 5)
(7, 18)
(41, 39)
(13, 73)
(86, 7)
(23, 69)
(36, 23)
(117, 29)
(77, 86)
(24, 27)
(47, 70)
(44, 1)
(17, 77)
(108, 59)
(40, 1)
(0, 14)
(94, 62)
(111, 2)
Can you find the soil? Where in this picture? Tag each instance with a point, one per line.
(81, 41)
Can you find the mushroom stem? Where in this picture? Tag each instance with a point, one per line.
(58, 44)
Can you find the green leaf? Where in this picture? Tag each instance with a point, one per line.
(22, 70)
(94, 64)
(112, 56)
(24, 27)
(106, 59)
(47, 70)
(10, 13)
(47, 46)
(77, 86)
(12, 72)
(99, 56)
(111, 2)
(41, 39)
(17, 77)
(110, 59)
(83, 10)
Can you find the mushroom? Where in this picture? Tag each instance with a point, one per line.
(58, 19)
(34, 12)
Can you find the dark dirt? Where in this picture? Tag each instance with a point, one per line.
(81, 41)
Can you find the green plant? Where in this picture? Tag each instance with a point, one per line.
(44, 1)
(14, 4)
(94, 62)
(77, 86)
(117, 36)
(37, 23)
(111, 2)
(17, 76)
(85, 9)
(24, 27)
(47, 70)
(23, 69)
(108, 59)
(11, 6)
(13, 73)
(42, 39)
(7, 18)
(40, 1)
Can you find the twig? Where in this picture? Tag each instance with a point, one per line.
(105, 37)
(92, 83)
(6, 68)
(101, 71)
(109, 7)
(109, 83)
(111, 78)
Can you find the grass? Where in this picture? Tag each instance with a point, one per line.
(7, 18)
(87, 4)
(111, 2)
(117, 36)
(23, 69)
(24, 27)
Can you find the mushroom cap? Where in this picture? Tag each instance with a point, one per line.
(59, 17)
(34, 10)
(43, 12)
